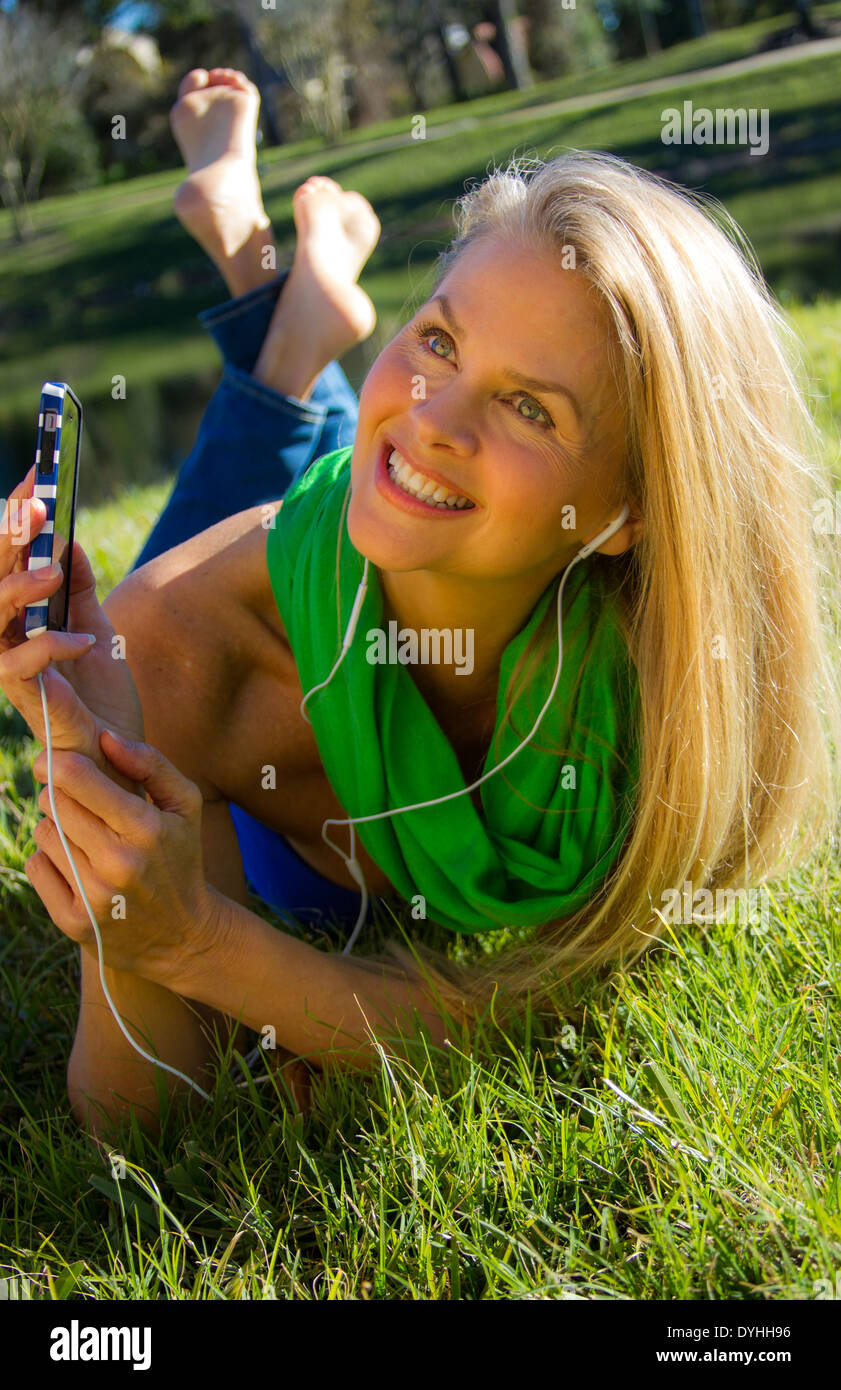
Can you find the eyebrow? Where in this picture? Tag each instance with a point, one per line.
(529, 383)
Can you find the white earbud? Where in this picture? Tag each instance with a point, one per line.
(604, 535)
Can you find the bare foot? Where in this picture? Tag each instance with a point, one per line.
(322, 311)
(214, 122)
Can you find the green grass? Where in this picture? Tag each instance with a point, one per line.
(681, 1142)
(679, 1139)
(682, 1139)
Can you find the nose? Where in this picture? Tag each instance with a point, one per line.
(445, 417)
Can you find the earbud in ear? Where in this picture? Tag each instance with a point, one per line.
(604, 535)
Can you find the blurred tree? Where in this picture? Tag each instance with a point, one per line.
(510, 42)
(126, 99)
(189, 33)
(220, 33)
(329, 56)
(40, 90)
(646, 26)
(374, 81)
(272, 83)
(417, 41)
(563, 40)
(697, 18)
(440, 20)
(90, 16)
(301, 39)
(428, 43)
(648, 11)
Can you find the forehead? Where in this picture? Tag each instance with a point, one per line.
(520, 305)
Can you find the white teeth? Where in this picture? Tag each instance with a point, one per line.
(425, 489)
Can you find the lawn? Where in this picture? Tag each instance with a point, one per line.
(677, 1137)
(678, 1140)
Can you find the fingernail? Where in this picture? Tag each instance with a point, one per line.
(50, 571)
(83, 638)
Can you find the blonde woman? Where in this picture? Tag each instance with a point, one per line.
(596, 355)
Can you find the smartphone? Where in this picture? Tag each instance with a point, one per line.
(56, 479)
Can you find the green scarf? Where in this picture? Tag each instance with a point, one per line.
(551, 825)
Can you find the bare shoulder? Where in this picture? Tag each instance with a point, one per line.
(225, 564)
(200, 624)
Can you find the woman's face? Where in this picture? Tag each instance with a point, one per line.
(539, 465)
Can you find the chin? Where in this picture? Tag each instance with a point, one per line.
(381, 547)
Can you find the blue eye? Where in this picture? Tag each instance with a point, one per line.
(429, 330)
(536, 418)
(424, 331)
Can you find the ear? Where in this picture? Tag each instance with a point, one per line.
(625, 537)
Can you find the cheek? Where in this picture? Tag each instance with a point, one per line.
(536, 494)
(527, 472)
(386, 389)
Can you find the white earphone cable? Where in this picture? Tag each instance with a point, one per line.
(351, 862)
(156, 1061)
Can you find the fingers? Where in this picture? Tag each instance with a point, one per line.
(21, 587)
(24, 662)
(50, 874)
(47, 839)
(85, 611)
(25, 486)
(56, 895)
(23, 518)
(80, 826)
(72, 723)
(101, 799)
(87, 614)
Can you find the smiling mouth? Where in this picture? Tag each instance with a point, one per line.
(424, 489)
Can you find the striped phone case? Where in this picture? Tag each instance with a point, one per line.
(55, 398)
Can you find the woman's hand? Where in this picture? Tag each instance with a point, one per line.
(140, 862)
(95, 690)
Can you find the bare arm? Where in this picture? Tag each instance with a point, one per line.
(184, 673)
(322, 1007)
(204, 643)
(102, 1064)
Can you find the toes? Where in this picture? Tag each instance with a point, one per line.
(231, 77)
(192, 81)
(239, 80)
(319, 182)
(220, 77)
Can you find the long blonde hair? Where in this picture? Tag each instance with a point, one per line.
(729, 600)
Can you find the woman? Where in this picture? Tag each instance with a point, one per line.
(687, 737)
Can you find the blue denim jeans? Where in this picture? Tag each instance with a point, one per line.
(251, 445)
(252, 441)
